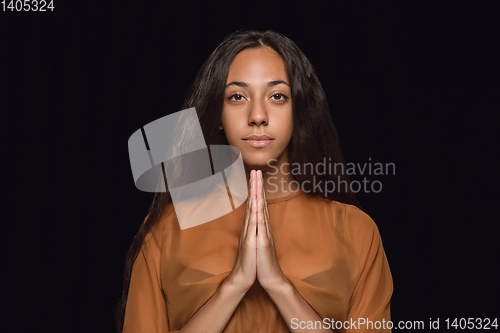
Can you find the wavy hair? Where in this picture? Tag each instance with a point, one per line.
(314, 136)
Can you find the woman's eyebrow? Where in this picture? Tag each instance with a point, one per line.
(237, 83)
(245, 85)
(276, 82)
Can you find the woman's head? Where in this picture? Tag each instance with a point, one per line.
(208, 92)
(257, 103)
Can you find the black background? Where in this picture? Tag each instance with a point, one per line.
(409, 83)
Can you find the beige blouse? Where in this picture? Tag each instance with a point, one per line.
(330, 251)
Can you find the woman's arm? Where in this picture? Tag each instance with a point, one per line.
(291, 305)
(372, 295)
(146, 308)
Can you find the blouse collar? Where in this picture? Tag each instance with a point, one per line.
(286, 197)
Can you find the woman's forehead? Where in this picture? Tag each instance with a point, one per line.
(257, 66)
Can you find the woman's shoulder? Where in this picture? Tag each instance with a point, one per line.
(165, 222)
(357, 224)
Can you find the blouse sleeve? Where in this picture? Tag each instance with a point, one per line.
(146, 310)
(370, 301)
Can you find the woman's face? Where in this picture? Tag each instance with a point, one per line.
(257, 102)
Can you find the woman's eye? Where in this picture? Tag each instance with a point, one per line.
(236, 97)
(279, 97)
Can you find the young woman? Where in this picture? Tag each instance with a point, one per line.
(297, 257)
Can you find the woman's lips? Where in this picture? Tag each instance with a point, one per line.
(259, 143)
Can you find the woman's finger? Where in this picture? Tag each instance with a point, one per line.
(250, 198)
(249, 205)
(252, 221)
(266, 212)
(246, 216)
(262, 228)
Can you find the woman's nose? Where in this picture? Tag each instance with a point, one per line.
(258, 114)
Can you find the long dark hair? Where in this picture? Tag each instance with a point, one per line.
(314, 138)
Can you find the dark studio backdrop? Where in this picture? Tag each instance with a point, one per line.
(409, 83)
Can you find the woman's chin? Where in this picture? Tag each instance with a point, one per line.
(260, 160)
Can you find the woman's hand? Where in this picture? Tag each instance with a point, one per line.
(244, 270)
(269, 272)
(256, 257)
